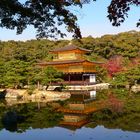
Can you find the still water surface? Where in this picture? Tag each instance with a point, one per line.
(34, 121)
(58, 133)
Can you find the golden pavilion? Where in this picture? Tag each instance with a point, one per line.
(71, 61)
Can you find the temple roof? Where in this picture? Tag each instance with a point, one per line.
(64, 62)
(69, 48)
(67, 62)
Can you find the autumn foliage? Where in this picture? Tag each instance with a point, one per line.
(113, 65)
(114, 104)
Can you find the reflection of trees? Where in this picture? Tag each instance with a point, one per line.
(33, 117)
(2, 109)
(127, 119)
(127, 122)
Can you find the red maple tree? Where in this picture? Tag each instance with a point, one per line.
(114, 65)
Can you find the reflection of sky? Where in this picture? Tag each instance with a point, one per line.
(92, 21)
(57, 133)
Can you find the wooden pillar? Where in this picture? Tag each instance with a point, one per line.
(69, 78)
(38, 85)
(82, 78)
(38, 105)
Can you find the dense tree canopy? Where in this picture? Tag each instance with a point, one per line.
(18, 60)
(47, 15)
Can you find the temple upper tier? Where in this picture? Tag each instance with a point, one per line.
(71, 59)
(69, 52)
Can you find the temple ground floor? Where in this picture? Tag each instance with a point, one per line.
(78, 79)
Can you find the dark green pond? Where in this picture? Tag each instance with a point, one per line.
(42, 121)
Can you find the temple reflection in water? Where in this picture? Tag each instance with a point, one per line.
(80, 106)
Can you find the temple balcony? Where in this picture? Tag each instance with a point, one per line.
(73, 83)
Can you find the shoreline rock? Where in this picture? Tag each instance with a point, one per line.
(16, 96)
(135, 88)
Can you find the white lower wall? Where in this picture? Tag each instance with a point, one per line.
(92, 78)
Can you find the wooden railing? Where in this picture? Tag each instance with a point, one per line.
(86, 111)
(74, 83)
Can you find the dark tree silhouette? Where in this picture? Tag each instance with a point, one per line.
(47, 15)
(44, 15)
(118, 10)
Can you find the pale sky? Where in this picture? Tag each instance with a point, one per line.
(91, 19)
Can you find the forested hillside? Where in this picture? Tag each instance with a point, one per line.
(120, 54)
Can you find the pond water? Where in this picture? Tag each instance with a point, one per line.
(59, 133)
(42, 121)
